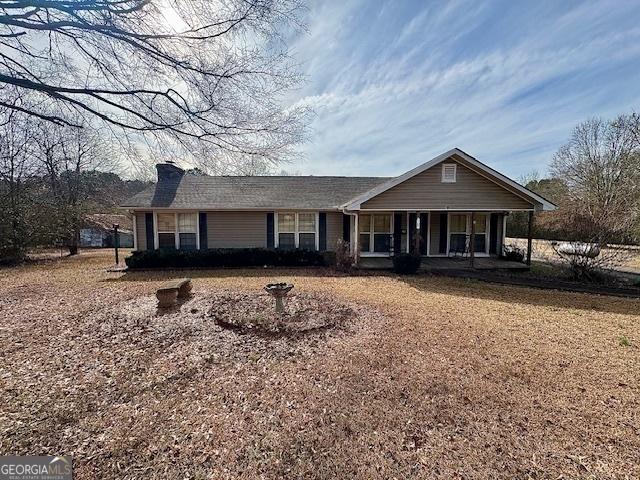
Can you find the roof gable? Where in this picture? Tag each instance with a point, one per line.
(468, 161)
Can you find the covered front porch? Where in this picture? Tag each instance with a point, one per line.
(444, 264)
(445, 239)
(465, 234)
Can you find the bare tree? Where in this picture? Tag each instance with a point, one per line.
(600, 167)
(16, 169)
(170, 73)
(68, 158)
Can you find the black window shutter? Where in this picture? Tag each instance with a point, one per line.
(397, 233)
(443, 233)
(424, 231)
(202, 224)
(270, 230)
(148, 220)
(493, 233)
(412, 232)
(322, 230)
(346, 227)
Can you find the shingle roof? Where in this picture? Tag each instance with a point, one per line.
(209, 192)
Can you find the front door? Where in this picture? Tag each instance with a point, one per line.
(418, 232)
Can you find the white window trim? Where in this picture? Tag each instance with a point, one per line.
(371, 253)
(296, 232)
(197, 232)
(468, 232)
(177, 230)
(135, 232)
(455, 173)
(316, 232)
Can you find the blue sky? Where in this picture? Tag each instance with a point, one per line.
(394, 83)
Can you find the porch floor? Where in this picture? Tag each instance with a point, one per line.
(447, 263)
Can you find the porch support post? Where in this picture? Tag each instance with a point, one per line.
(530, 237)
(356, 238)
(135, 232)
(472, 240)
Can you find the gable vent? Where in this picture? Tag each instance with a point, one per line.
(448, 173)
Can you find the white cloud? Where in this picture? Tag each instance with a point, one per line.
(387, 102)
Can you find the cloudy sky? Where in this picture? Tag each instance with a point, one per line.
(396, 82)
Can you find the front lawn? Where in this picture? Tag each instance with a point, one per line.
(449, 379)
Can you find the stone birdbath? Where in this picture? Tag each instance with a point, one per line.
(278, 291)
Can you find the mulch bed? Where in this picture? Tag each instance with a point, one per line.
(249, 312)
(236, 324)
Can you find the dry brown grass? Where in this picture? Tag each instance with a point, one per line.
(458, 380)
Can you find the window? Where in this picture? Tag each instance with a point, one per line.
(480, 233)
(287, 230)
(177, 230)
(364, 227)
(187, 230)
(449, 173)
(297, 230)
(166, 230)
(377, 226)
(381, 233)
(307, 231)
(458, 233)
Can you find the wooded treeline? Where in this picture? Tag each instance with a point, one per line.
(51, 177)
(595, 181)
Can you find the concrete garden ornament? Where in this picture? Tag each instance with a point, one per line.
(278, 291)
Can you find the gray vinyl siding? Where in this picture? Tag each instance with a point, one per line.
(141, 231)
(426, 191)
(237, 229)
(434, 233)
(334, 229)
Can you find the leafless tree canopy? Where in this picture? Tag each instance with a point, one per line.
(185, 72)
(51, 177)
(600, 167)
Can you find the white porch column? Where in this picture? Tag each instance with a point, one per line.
(355, 236)
(135, 232)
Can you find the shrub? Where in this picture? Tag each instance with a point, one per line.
(226, 257)
(344, 258)
(591, 261)
(624, 341)
(406, 263)
(513, 253)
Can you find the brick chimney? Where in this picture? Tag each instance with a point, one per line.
(168, 171)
